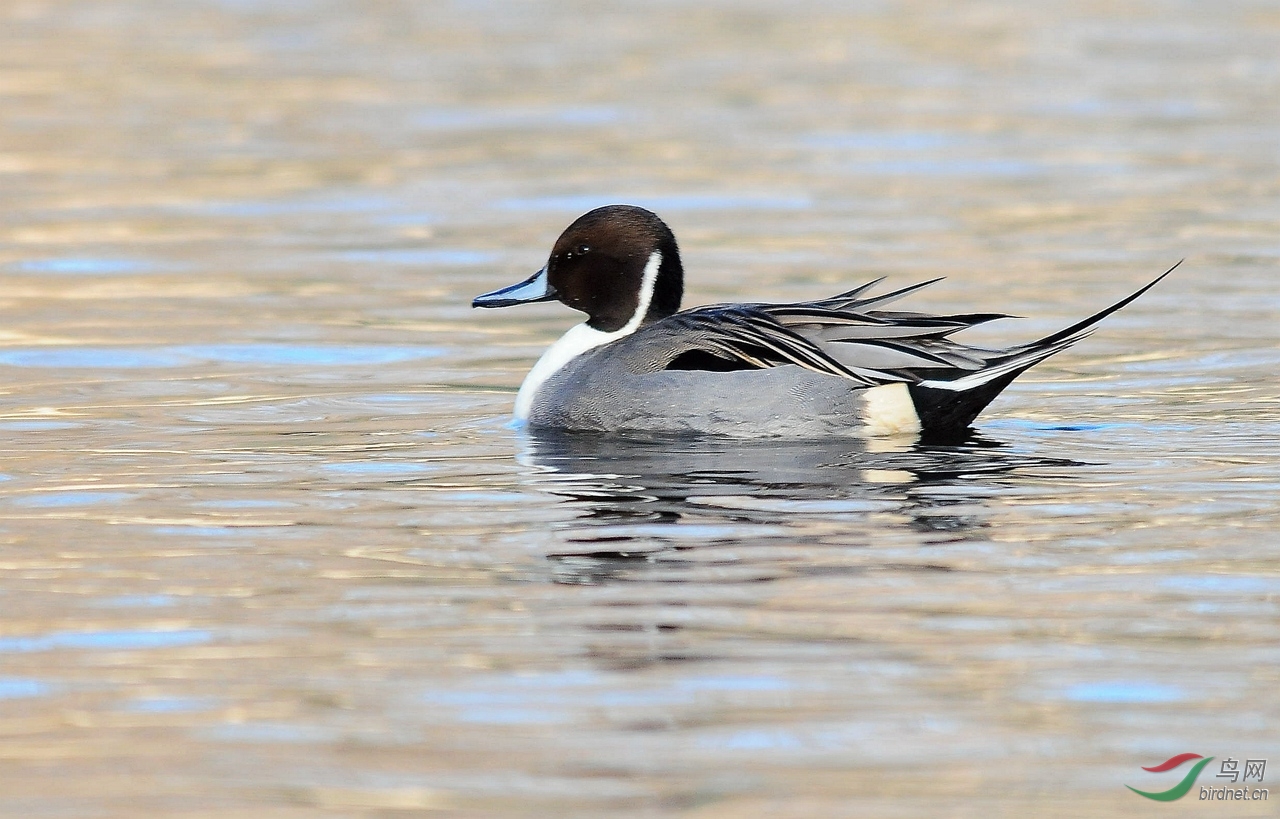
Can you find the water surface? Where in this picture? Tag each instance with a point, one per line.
(269, 547)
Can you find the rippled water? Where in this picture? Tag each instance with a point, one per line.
(268, 546)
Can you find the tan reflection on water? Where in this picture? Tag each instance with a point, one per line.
(267, 547)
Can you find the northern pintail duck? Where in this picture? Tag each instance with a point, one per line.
(837, 366)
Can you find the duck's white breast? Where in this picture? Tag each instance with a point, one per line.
(581, 338)
(569, 346)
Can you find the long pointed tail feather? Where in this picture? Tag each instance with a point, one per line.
(1101, 314)
(949, 407)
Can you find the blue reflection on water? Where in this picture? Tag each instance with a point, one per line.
(206, 531)
(462, 119)
(1124, 692)
(169, 705)
(559, 697)
(421, 256)
(735, 683)
(1028, 425)
(948, 167)
(926, 153)
(104, 640)
(137, 601)
(90, 357)
(13, 688)
(36, 426)
(59, 499)
(243, 503)
(395, 398)
(341, 204)
(290, 354)
(885, 140)
(490, 715)
(82, 266)
(674, 202)
(377, 467)
(1222, 583)
(271, 354)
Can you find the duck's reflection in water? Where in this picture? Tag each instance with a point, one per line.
(643, 498)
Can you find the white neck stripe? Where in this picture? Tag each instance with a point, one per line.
(584, 337)
(647, 284)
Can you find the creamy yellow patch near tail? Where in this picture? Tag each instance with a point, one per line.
(889, 410)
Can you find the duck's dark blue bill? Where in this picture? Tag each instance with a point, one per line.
(534, 288)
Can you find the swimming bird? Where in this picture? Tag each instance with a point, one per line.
(840, 366)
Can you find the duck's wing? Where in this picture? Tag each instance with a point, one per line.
(849, 336)
(871, 348)
(740, 337)
(899, 342)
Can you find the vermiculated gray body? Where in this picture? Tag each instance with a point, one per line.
(600, 390)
